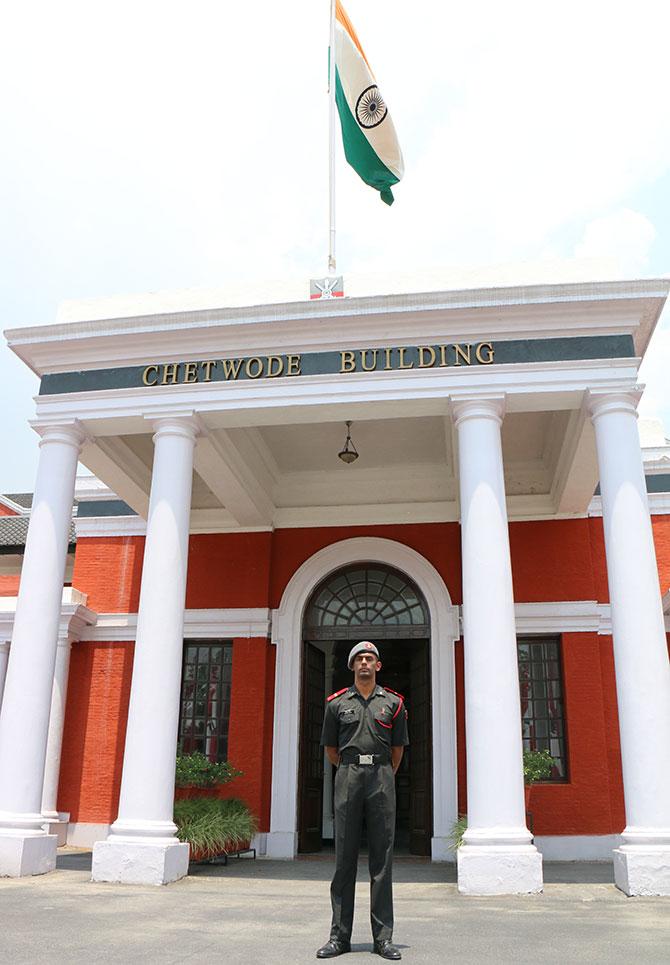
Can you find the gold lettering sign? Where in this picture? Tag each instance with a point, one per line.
(387, 359)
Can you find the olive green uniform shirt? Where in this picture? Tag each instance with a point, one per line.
(370, 726)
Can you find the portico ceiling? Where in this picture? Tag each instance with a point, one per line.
(291, 474)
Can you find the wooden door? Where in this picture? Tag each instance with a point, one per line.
(420, 772)
(310, 811)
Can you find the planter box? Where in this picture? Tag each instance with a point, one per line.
(194, 791)
(226, 848)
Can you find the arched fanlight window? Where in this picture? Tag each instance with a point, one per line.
(366, 599)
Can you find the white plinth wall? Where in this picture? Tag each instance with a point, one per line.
(642, 862)
(497, 855)
(25, 847)
(142, 847)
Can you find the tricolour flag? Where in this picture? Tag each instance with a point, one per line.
(370, 142)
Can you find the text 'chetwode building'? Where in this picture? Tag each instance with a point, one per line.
(223, 561)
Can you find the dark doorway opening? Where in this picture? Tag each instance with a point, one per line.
(394, 617)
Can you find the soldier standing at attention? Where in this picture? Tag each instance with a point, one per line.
(364, 734)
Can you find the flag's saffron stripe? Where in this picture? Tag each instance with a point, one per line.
(341, 15)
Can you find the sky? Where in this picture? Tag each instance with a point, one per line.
(151, 146)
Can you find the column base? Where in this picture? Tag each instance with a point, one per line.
(137, 863)
(498, 870)
(642, 871)
(282, 845)
(30, 854)
(57, 823)
(442, 849)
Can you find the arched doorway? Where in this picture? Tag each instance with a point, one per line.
(366, 601)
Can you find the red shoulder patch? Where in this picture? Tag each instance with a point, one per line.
(337, 694)
(395, 692)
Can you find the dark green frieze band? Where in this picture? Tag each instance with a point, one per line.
(657, 483)
(342, 363)
(104, 507)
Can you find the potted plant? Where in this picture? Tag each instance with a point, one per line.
(213, 827)
(197, 776)
(537, 766)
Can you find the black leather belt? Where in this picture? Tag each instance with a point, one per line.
(350, 757)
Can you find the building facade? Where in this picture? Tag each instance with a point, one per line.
(222, 559)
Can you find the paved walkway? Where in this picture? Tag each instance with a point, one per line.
(278, 912)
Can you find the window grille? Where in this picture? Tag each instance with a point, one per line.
(542, 713)
(204, 711)
(364, 597)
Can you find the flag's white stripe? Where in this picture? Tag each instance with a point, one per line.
(355, 77)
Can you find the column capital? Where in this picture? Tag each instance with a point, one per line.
(65, 433)
(605, 403)
(183, 424)
(489, 407)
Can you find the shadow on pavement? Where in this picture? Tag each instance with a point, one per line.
(320, 868)
(74, 860)
(578, 872)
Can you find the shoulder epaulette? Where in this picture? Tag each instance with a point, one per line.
(393, 692)
(337, 694)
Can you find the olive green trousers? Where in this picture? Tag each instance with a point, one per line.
(363, 791)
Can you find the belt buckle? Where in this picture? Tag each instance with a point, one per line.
(366, 758)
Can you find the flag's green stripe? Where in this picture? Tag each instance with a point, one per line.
(358, 151)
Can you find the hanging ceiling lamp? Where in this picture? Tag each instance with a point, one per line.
(349, 453)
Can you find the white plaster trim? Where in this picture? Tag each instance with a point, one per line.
(526, 386)
(569, 616)
(659, 505)
(109, 526)
(287, 636)
(215, 325)
(75, 619)
(83, 835)
(205, 624)
(91, 489)
(577, 847)
(15, 507)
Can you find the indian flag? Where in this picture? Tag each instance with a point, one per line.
(370, 142)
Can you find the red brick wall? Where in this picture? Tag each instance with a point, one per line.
(109, 570)
(6, 511)
(9, 584)
(584, 804)
(552, 561)
(250, 734)
(230, 570)
(95, 731)
(438, 542)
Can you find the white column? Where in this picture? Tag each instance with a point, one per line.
(642, 863)
(497, 856)
(4, 657)
(55, 738)
(25, 848)
(142, 847)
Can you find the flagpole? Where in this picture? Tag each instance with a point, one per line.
(332, 264)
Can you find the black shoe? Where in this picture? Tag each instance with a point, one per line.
(333, 948)
(387, 949)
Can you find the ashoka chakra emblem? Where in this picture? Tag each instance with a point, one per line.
(370, 107)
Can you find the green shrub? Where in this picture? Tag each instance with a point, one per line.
(537, 766)
(212, 826)
(196, 770)
(458, 829)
